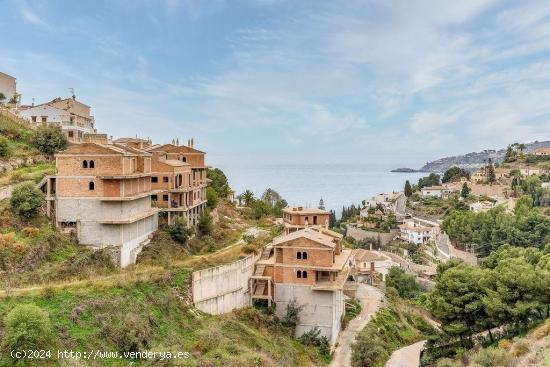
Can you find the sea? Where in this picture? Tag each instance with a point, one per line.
(304, 184)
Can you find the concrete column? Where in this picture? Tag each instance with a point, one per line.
(269, 292)
(48, 202)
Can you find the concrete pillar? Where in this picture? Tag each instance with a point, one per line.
(269, 292)
(48, 202)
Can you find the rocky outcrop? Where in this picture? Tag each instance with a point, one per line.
(14, 163)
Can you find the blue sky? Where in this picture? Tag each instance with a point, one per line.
(275, 80)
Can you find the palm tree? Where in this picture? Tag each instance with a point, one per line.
(247, 197)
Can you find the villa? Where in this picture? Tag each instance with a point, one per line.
(413, 232)
(542, 152)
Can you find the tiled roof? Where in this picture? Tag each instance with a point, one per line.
(305, 233)
(100, 149)
(297, 210)
(170, 148)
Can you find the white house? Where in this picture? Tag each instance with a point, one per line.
(416, 233)
(438, 191)
(386, 201)
(72, 116)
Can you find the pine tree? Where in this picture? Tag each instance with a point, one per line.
(465, 191)
(408, 189)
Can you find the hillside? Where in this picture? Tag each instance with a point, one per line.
(21, 161)
(93, 305)
(530, 350)
(474, 160)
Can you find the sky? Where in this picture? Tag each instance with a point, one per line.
(282, 81)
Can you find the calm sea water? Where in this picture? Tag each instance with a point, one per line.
(305, 184)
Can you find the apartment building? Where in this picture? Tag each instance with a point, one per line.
(309, 266)
(297, 218)
(101, 193)
(73, 116)
(179, 175)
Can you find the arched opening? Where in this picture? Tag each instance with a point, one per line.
(92, 164)
(299, 255)
(299, 274)
(304, 255)
(304, 274)
(84, 164)
(91, 186)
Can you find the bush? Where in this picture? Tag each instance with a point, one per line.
(292, 316)
(314, 337)
(205, 223)
(520, 348)
(49, 140)
(4, 148)
(26, 200)
(27, 327)
(491, 357)
(179, 231)
(211, 198)
(404, 284)
(131, 334)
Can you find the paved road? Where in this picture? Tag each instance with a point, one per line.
(407, 356)
(371, 300)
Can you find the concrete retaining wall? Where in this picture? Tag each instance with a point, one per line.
(361, 234)
(223, 288)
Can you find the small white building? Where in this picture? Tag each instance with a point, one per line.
(8, 87)
(386, 201)
(413, 232)
(543, 152)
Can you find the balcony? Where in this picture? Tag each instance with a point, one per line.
(132, 219)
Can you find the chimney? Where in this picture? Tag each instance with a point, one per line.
(192, 143)
(173, 142)
(189, 143)
(178, 142)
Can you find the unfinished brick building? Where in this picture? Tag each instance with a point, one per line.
(101, 192)
(309, 266)
(179, 176)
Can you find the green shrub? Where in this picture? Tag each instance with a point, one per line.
(131, 334)
(27, 327)
(314, 337)
(4, 148)
(292, 316)
(205, 224)
(491, 357)
(404, 284)
(26, 200)
(179, 231)
(49, 140)
(211, 198)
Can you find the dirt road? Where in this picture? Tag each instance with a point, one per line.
(371, 300)
(407, 356)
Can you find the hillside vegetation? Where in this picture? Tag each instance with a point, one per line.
(90, 304)
(17, 136)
